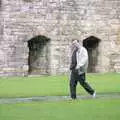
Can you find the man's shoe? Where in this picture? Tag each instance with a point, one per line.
(94, 94)
(73, 98)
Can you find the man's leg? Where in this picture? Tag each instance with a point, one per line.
(73, 84)
(85, 85)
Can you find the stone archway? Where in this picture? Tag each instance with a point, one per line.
(92, 44)
(38, 60)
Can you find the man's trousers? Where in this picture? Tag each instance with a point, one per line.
(74, 79)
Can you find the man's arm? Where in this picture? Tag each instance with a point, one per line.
(82, 58)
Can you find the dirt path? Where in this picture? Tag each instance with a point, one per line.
(58, 98)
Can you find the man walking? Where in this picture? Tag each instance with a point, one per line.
(78, 67)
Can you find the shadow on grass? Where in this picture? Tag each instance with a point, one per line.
(114, 95)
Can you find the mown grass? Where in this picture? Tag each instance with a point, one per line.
(56, 85)
(93, 109)
(84, 109)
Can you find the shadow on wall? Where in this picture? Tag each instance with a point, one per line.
(92, 44)
(0, 4)
(38, 60)
(27, 0)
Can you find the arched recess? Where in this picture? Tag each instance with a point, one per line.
(38, 60)
(92, 44)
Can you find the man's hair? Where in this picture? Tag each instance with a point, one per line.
(76, 40)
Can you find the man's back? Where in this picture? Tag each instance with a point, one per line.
(82, 59)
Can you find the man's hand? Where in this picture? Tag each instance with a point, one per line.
(77, 67)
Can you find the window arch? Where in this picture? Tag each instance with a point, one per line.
(38, 60)
(92, 44)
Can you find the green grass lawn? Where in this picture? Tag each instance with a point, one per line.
(84, 109)
(64, 110)
(56, 85)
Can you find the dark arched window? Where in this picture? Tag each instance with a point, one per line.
(38, 61)
(91, 44)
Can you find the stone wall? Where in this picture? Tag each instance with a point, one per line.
(60, 21)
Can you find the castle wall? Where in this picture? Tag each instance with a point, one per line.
(61, 21)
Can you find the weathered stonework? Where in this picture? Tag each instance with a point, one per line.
(60, 21)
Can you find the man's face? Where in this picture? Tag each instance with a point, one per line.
(73, 46)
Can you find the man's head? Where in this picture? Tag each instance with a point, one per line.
(76, 44)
